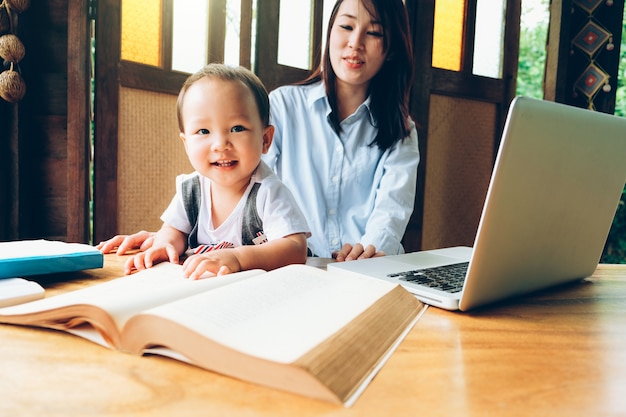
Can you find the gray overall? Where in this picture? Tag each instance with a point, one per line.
(252, 226)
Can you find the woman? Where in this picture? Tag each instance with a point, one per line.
(344, 142)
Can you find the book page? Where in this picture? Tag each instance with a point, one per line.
(123, 297)
(280, 315)
(18, 290)
(41, 247)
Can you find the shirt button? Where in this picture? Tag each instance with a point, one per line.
(335, 242)
(338, 148)
(331, 212)
(335, 178)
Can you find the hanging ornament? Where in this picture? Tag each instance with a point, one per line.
(592, 40)
(12, 51)
(11, 48)
(18, 5)
(12, 86)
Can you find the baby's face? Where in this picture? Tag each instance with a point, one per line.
(223, 133)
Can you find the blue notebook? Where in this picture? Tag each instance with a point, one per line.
(35, 257)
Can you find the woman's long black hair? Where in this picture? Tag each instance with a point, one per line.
(390, 87)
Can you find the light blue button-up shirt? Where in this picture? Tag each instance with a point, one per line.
(349, 192)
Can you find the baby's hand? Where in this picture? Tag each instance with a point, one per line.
(219, 262)
(151, 257)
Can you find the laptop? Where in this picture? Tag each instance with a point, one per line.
(554, 190)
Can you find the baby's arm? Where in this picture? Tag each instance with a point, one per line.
(274, 254)
(169, 243)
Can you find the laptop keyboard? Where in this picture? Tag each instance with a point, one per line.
(448, 278)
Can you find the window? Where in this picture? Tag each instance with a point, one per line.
(532, 51)
(461, 43)
(165, 40)
(141, 31)
(448, 34)
(294, 36)
(190, 35)
(489, 38)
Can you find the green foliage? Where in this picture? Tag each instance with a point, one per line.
(532, 48)
(615, 248)
(620, 93)
(530, 84)
(532, 56)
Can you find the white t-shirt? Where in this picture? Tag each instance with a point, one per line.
(275, 204)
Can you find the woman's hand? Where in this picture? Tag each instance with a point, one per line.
(123, 243)
(350, 252)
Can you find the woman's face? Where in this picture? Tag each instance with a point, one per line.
(356, 46)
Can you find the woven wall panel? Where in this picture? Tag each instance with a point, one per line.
(150, 155)
(460, 158)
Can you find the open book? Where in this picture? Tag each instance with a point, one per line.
(297, 328)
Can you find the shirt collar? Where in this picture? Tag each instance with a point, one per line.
(318, 94)
(366, 106)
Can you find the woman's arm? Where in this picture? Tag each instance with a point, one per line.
(395, 198)
(123, 243)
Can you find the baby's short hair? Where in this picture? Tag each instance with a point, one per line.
(229, 73)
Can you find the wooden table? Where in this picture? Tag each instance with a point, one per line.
(561, 352)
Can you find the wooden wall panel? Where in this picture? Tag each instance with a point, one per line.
(38, 182)
(460, 160)
(7, 169)
(42, 120)
(150, 156)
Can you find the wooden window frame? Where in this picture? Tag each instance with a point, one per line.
(111, 73)
(165, 80)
